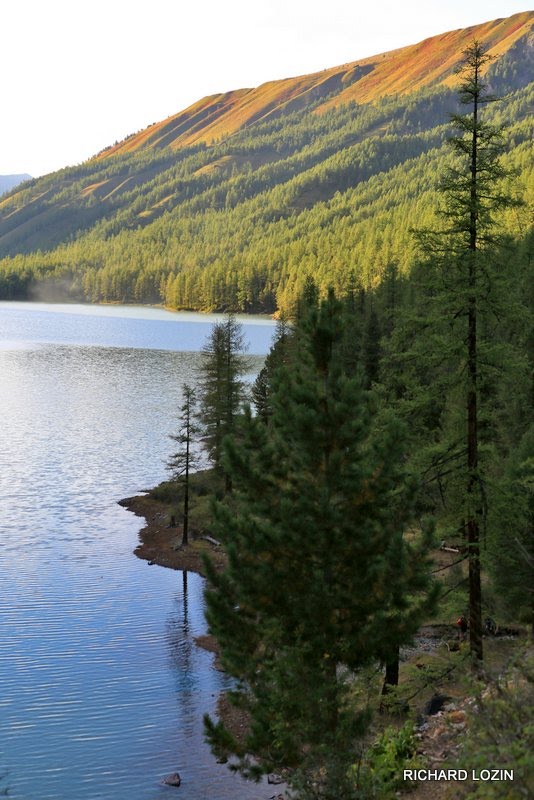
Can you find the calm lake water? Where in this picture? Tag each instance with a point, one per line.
(102, 689)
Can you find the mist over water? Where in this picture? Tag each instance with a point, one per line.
(102, 689)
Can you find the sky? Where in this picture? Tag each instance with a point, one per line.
(78, 75)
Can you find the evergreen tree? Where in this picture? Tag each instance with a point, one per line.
(473, 197)
(461, 289)
(186, 459)
(320, 579)
(278, 355)
(221, 386)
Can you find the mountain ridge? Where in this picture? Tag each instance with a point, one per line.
(399, 71)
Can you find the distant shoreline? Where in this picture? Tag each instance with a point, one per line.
(70, 301)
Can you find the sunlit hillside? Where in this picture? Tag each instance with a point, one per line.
(428, 63)
(234, 201)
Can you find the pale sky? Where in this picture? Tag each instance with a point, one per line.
(78, 75)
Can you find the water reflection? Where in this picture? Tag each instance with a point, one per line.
(181, 652)
(103, 691)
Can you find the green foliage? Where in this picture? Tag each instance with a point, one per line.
(240, 225)
(380, 775)
(500, 734)
(165, 492)
(320, 580)
(221, 388)
(510, 551)
(452, 350)
(279, 354)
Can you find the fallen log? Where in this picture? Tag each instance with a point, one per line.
(211, 540)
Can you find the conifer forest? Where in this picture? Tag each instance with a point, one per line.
(375, 480)
(386, 419)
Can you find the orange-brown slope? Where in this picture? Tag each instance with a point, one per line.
(180, 129)
(396, 72)
(220, 115)
(433, 60)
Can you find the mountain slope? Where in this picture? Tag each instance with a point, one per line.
(311, 181)
(402, 71)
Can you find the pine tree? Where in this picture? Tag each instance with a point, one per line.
(473, 198)
(278, 355)
(320, 579)
(460, 288)
(186, 459)
(221, 387)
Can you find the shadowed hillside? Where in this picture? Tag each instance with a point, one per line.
(234, 201)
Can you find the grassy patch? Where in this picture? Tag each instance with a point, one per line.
(204, 485)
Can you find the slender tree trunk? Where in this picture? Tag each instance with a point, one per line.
(473, 532)
(391, 677)
(185, 530)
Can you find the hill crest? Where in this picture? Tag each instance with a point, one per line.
(402, 71)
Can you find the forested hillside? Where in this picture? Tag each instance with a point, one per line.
(323, 175)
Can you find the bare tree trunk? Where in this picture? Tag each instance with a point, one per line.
(391, 677)
(473, 531)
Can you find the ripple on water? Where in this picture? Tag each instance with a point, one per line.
(102, 690)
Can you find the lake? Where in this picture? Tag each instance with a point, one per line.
(102, 688)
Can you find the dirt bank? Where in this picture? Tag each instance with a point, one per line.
(160, 544)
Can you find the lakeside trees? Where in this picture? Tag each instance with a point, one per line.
(310, 595)
(321, 579)
(208, 412)
(224, 364)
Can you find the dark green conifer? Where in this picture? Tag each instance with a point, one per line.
(276, 357)
(321, 580)
(445, 351)
(187, 458)
(221, 386)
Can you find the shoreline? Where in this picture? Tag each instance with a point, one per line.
(438, 734)
(160, 544)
